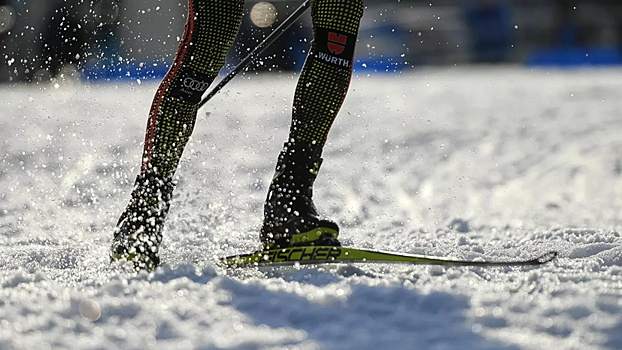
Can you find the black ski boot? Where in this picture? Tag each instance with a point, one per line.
(290, 217)
(138, 234)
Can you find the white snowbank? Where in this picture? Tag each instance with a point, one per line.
(473, 163)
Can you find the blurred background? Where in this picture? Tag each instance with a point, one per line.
(110, 40)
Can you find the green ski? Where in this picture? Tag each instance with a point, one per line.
(305, 255)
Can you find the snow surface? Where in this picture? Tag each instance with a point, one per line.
(474, 163)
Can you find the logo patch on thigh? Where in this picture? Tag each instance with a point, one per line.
(190, 85)
(334, 47)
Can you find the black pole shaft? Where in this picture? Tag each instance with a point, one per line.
(269, 40)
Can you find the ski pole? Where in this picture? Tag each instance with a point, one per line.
(258, 50)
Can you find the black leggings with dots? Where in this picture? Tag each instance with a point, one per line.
(210, 30)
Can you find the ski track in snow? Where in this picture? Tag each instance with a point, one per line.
(496, 163)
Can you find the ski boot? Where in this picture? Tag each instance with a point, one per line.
(290, 217)
(138, 234)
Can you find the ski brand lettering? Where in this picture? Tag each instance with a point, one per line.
(304, 253)
(196, 85)
(336, 42)
(333, 60)
(334, 255)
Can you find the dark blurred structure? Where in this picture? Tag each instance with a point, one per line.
(63, 41)
(119, 39)
(582, 35)
(490, 27)
(454, 32)
(8, 17)
(567, 30)
(53, 37)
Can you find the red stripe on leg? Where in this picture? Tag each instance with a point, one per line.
(159, 97)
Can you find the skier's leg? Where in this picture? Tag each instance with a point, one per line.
(290, 216)
(210, 30)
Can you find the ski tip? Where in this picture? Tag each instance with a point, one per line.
(547, 257)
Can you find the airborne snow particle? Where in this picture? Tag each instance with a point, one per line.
(90, 310)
